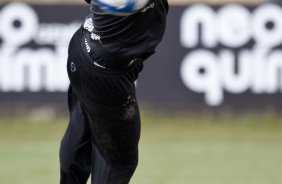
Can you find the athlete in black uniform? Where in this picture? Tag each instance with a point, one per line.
(105, 57)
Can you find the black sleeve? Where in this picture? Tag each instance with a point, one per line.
(88, 1)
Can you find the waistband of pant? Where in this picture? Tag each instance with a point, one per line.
(110, 60)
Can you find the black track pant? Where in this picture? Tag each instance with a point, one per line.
(104, 128)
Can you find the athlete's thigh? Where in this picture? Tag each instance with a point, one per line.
(110, 103)
(75, 146)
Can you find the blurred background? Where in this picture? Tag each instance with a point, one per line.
(210, 98)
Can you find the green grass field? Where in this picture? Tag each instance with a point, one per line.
(174, 149)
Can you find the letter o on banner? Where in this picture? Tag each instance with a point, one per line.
(268, 36)
(19, 24)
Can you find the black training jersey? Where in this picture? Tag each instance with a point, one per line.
(133, 34)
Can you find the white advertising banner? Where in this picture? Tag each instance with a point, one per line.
(228, 55)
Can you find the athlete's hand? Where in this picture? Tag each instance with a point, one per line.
(88, 1)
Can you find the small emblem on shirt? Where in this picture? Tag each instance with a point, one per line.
(88, 25)
(96, 37)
